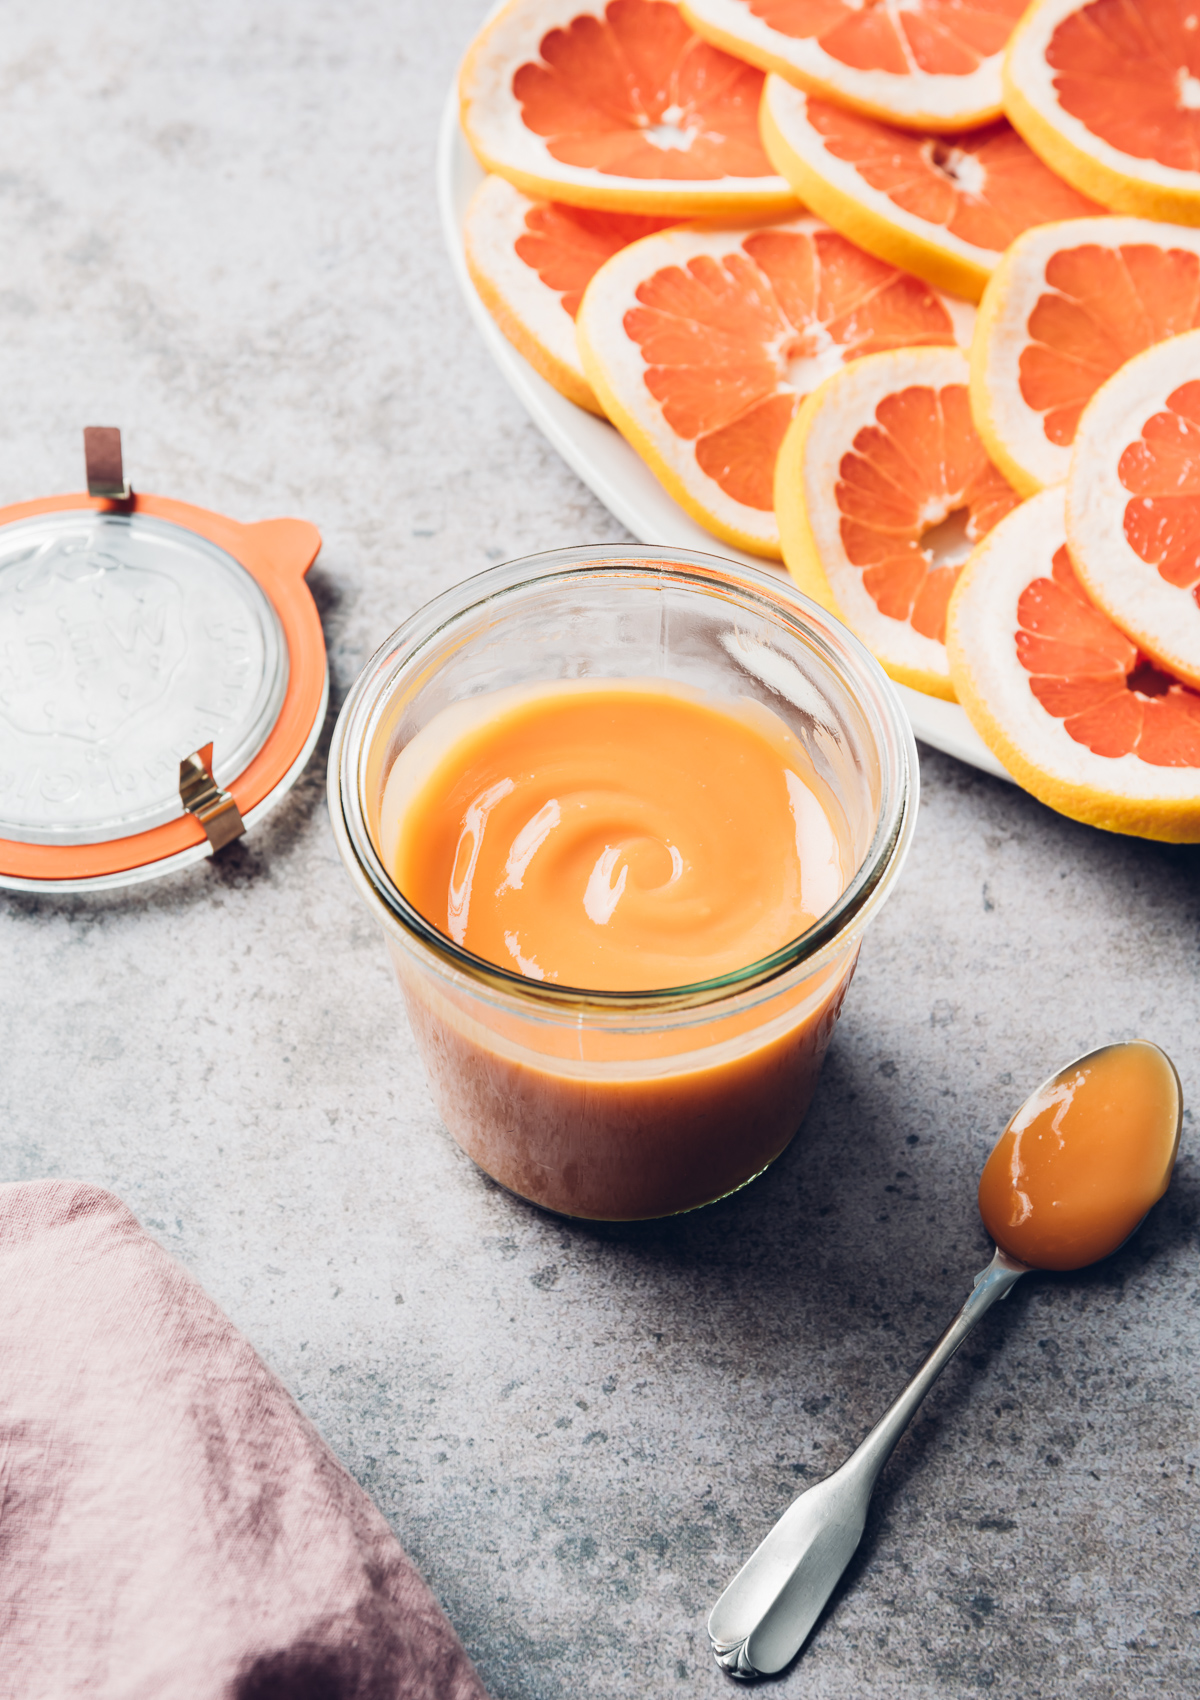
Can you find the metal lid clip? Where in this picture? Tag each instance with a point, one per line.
(105, 468)
(201, 796)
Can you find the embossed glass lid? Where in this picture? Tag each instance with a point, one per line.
(126, 643)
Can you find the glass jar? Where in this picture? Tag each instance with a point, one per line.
(613, 1105)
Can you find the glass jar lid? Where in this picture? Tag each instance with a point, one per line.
(126, 643)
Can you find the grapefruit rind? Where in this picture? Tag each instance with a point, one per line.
(919, 101)
(1011, 429)
(1104, 173)
(833, 188)
(1119, 794)
(529, 313)
(806, 476)
(1161, 618)
(503, 144)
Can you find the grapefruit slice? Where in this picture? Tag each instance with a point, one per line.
(1067, 305)
(1108, 93)
(1070, 706)
(700, 342)
(618, 106)
(1133, 502)
(531, 262)
(882, 489)
(925, 64)
(943, 209)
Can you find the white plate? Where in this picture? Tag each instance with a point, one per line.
(607, 464)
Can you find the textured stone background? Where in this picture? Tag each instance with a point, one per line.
(219, 231)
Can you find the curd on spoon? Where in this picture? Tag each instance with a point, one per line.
(1084, 1158)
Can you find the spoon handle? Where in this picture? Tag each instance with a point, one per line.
(761, 1620)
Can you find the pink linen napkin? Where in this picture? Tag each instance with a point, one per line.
(171, 1526)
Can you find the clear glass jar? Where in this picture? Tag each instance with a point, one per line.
(614, 1105)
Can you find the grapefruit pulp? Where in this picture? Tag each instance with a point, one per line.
(699, 343)
(619, 106)
(943, 208)
(925, 64)
(531, 262)
(882, 488)
(1133, 502)
(1106, 91)
(1067, 305)
(1078, 715)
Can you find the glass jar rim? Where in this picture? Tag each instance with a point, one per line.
(846, 656)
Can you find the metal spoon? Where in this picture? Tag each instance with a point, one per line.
(765, 1614)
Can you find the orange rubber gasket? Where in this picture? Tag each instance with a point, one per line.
(276, 553)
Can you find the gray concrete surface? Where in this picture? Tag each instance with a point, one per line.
(218, 230)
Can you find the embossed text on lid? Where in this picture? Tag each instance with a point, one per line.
(126, 643)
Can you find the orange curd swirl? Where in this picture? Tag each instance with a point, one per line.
(613, 834)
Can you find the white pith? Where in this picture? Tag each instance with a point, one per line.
(612, 293)
(983, 625)
(966, 169)
(1018, 284)
(913, 97)
(1164, 618)
(494, 222)
(1035, 78)
(491, 114)
(820, 360)
(1189, 90)
(789, 108)
(846, 406)
(669, 132)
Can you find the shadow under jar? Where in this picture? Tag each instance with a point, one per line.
(613, 1105)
